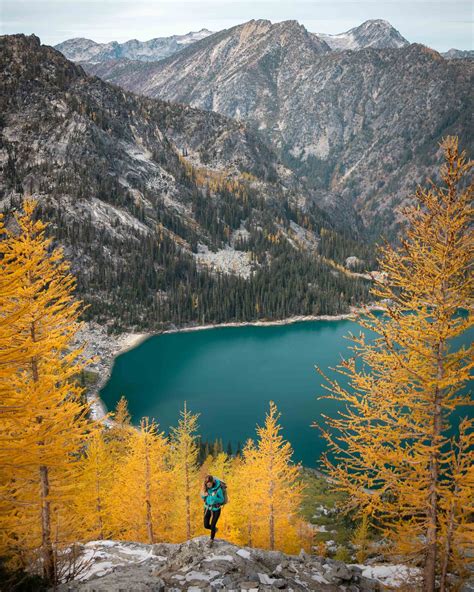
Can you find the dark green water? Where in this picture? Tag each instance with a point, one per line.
(230, 374)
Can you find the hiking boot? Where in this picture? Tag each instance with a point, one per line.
(210, 543)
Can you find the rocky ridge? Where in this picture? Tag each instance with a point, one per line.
(371, 33)
(109, 566)
(79, 49)
(360, 127)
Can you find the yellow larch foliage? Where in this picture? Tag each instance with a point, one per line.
(390, 446)
(233, 515)
(216, 181)
(241, 512)
(186, 512)
(139, 500)
(273, 485)
(13, 352)
(39, 447)
(457, 502)
(361, 539)
(118, 433)
(95, 476)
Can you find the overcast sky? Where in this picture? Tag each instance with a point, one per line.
(441, 25)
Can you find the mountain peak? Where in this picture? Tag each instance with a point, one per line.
(289, 33)
(376, 23)
(377, 33)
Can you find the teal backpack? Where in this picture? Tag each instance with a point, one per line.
(223, 486)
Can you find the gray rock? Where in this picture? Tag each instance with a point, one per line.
(192, 565)
(338, 572)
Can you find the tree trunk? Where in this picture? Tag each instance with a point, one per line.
(149, 518)
(429, 575)
(188, 500)
(46, 545)
(99, 505)
(447, 549)
(272, 509)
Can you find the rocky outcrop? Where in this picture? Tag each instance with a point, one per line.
(110, 566)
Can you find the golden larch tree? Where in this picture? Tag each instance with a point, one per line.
(274, 485)
(42, 443)
(185, 478)
(390, 444)
(240, 513)
(95, 476)
(119, 430)
(139, 501)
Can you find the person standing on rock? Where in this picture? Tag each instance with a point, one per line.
(213, 497)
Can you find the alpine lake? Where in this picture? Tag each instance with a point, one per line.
(230, 374)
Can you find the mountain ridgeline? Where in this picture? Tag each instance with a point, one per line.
(372, 33)
(168, 214)
(86, 50)
(360, 128)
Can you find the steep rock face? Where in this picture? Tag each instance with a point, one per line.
(86, 50)
(164, 210)
(362, 128)
(109, 566)
(234, 71)
(373, 33)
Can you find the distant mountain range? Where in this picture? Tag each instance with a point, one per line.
(86, 50)
(459, 54)
(359, 127)
(169, 214)
(375, 33)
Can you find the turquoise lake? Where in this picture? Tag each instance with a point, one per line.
(228, 375)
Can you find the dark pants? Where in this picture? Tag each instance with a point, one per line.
(210, 520)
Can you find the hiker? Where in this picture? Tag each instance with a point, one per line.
(213, 496)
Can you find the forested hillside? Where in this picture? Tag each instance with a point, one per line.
(168, 214)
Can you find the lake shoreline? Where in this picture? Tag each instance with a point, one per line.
(280, 322)
(109, 347)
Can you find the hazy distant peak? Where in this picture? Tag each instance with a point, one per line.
(458, 54)
(377, 33)
(85, 50)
